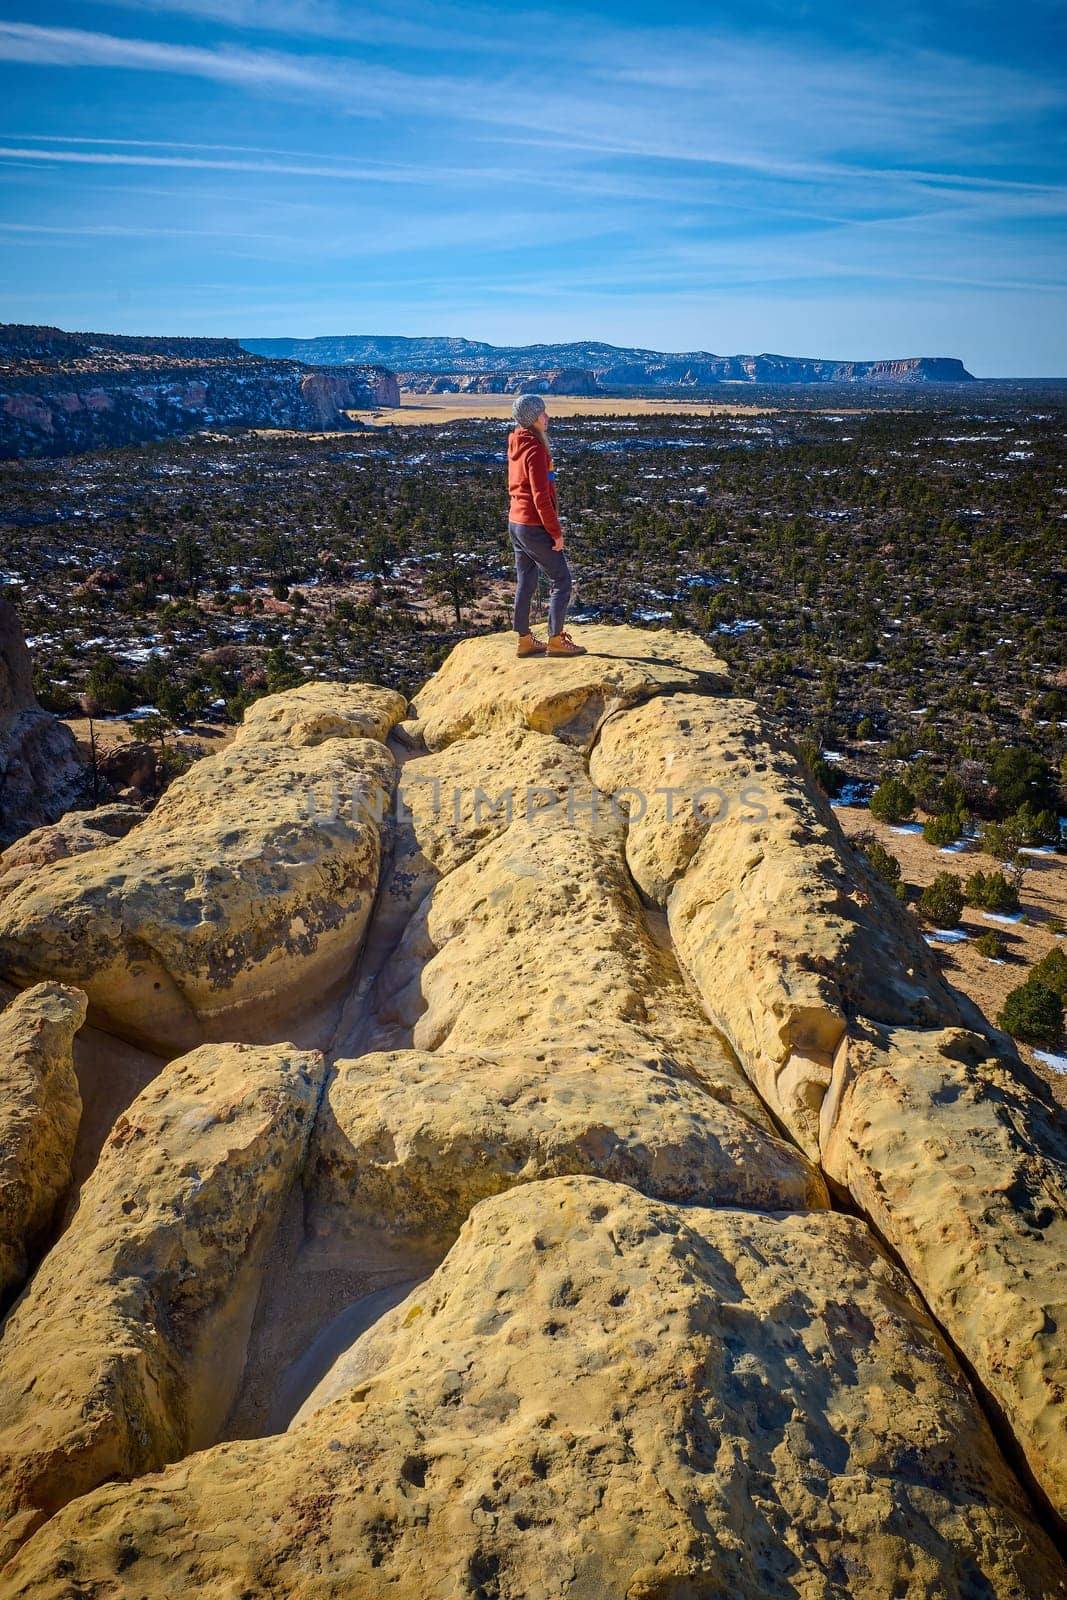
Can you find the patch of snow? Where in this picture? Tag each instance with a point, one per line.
(135, 715)
(1058, 1063)
(1001, 916)
(947, 936)
(853, 794)
(907, 827)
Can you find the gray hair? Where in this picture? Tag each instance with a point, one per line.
(527, 409)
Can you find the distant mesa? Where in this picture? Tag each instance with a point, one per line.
(588, 367)
(62, 392)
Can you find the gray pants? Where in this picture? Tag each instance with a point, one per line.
(533, 549)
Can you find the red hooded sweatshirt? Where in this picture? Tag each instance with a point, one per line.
(532, 482)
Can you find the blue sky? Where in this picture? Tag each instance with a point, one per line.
(813, 179)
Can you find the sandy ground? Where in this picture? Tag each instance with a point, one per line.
(113, 731)
(438, 408)
(1043, 896)
(421, 410)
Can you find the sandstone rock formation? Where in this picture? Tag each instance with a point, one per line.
(483, 686)
(40, 1108)
(315, 712)
(72, 835)
(963, 1169)
(606, 1063)
(601, 1394)
(410, 1141)
(213, 916)
(41, 772)
(784, 935)
(130, 1337)
(471, 364)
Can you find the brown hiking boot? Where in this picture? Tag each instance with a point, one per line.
(529, 645)
(561, 644)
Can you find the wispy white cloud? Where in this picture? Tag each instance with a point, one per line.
(433, 25)
(46, 232)
(694, 100)
(695, 97)
(300, 169)
(271, 161)
(77, 47)
(716, 158)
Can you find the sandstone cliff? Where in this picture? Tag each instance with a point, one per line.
(648, 370)
(545, 380)
(62, 392)
(658, 1223)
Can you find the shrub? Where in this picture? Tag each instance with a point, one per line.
(893, 801)
(902, 746)
(828, 780)
(55, 697)
(1021, 776)
(990, 945)
(283, 672)
(108, 688)
(991, 891)
(941, 902)
(1036, 827)
(1001, 840)
(865, 728)
(951, 796)
(946, 828)
(1051, 970)
(882, 860)
(1033, 1013)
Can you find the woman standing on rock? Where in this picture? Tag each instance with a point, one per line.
(534, 526)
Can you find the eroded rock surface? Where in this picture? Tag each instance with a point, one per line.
(784, 933)
(73, 835)
(40, 1109)
(964, 1171)
(315, 712)
(125, 1349)
(601, 1394)
(483, 685)
(596, 1065)
(225, 908)
(410, 1141)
